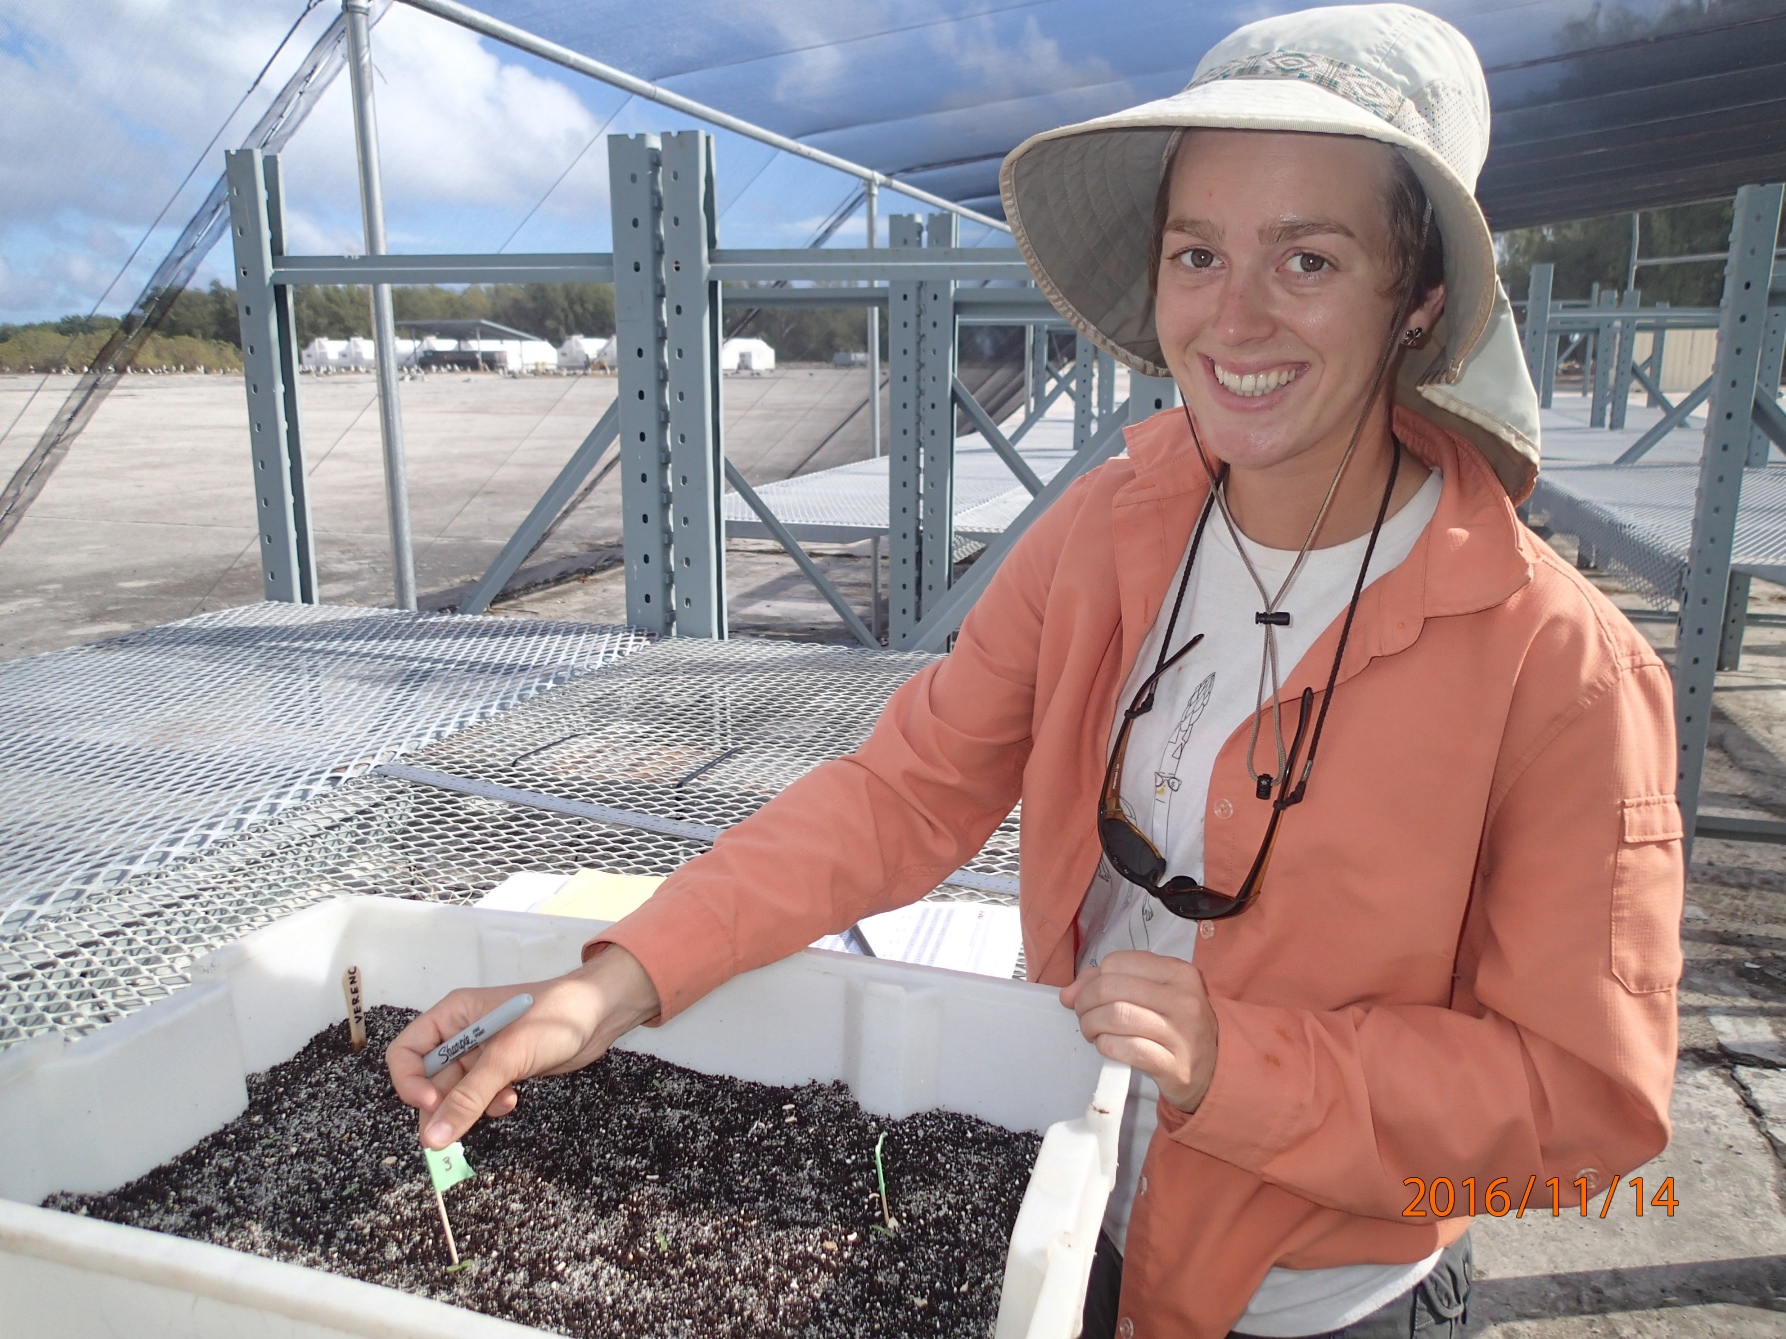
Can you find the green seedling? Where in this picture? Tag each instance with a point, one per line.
(663, 1243)
(463, 1264)
(880, 1175)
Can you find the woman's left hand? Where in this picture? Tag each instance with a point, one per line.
(1153, 1013)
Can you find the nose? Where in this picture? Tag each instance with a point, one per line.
(1243, 315)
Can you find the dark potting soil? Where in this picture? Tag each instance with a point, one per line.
(635, 1198)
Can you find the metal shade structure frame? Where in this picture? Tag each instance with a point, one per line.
(668, 270)
(1744, 422)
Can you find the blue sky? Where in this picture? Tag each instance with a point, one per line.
(106, 104)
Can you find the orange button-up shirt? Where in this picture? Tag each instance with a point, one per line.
(1463, 963)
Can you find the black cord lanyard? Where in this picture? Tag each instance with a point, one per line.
(1163, 662)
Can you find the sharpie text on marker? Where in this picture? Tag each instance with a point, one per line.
(475, 1035)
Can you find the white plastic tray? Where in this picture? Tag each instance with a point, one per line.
(90, 1116)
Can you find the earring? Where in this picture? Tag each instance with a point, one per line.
(1412, 336)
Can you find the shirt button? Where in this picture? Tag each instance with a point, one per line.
(1206, 929)
(1224, 809)
(1143, 1186)
(1591, 1175)
(1125, 1328)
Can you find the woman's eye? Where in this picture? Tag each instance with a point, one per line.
(1307, 262)
(1197, 258)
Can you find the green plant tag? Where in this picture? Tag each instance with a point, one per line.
(447, 1167)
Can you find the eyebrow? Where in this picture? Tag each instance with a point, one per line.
(1294, 229)
(1284, 230)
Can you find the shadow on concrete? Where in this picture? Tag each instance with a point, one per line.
(1758, 1281)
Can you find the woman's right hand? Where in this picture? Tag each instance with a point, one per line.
(573, 1021)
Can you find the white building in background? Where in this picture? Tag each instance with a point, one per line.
(581, 352)
(746, 355)
(433, 351)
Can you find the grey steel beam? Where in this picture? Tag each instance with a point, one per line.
(871, 193)
(287, 564)
(1658, 345)
(635, 166)
(1605, 339)
(802, 559)
(867, 265)
(1770, 422)
(1741, 333)
(384, 324)
(1085, 362)
(1624, 360)
(941, 622)
(559, 492)
(1537, 330)
(996, 439)
(1552, 356)
(290, 365)
(1736, 620)
(1667, 423)
(1062, 383)
(692, 327)
(1106, 386)
(1767, 385)
(522, 40)
(936, 420)
(904, 455)
(1741, 829)
(547, 268)
(1150, 395)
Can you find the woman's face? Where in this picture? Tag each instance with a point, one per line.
(1276, 290)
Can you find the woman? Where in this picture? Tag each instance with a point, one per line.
(1435, 928)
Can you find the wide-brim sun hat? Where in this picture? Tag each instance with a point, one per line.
(1080, 200)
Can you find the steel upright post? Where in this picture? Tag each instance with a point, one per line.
(1537, 332)
(936, 419)
(1106, 388)
(635, 169)
(269, 364)
(871, 226)
(1624, 357)
(1658, 345)
(384, 324)
(1084, 369)
(1773, 355)
(1606, 352)
(1741, 335)
(692, 389)
(1149, 395)
(904, 455)
(1038, 367)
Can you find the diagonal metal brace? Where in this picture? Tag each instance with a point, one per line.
(559, 493)
(994, 438)
(1669, 422)
(940, 623)
(785, 538)
(1062, 383)
(1644, 380)
(1771, 419)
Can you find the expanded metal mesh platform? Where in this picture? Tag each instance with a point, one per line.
(693, 730)
(122, 756)
(849, 502)
(1639, 520)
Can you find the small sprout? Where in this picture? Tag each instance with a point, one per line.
(663, 1242)
(880, 1175)
(463, 1264)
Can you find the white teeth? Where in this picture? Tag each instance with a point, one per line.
(1253, 384)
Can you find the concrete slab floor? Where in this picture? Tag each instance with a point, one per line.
(151, 515)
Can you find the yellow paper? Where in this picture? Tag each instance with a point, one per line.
(597, 895)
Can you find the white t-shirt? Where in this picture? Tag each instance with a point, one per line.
(1172, 750)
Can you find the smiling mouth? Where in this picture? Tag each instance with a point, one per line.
(1250, 385)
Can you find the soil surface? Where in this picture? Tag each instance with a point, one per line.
(635, 1198)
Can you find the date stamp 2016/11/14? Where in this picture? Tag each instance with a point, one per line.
(1442, 1197)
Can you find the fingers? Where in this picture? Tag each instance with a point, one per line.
(486, 1087)
(1070, 993)
(404, 1057)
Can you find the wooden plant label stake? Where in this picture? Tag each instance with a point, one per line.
(446, 1168)
(356, 1008)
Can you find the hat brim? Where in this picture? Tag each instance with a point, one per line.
(1080, 202)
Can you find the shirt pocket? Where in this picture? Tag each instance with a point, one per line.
(1647, 887)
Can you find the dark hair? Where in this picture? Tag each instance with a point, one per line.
(1415, 270)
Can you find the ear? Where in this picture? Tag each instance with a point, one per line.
(1427, 314)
